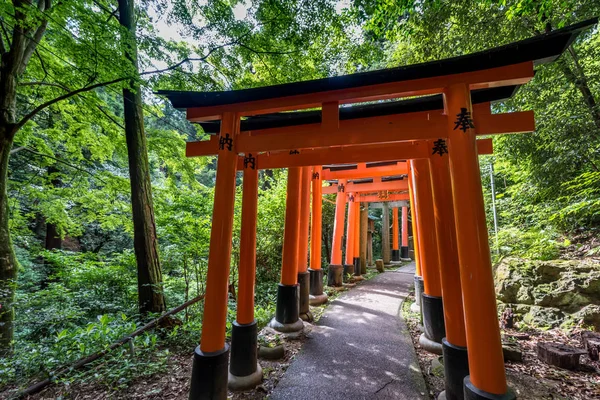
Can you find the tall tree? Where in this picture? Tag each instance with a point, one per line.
(150, 294)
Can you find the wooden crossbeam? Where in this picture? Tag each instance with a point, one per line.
(364, 131)
(516, 74)
(362, 171)
(376, 198)
(352, 187)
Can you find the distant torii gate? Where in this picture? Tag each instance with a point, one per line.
(457, 173)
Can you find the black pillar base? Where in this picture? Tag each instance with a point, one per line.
(334, 275)
(348, 270)
(209, 375)
(456, 368)
(356, 266)
(473, 393)
(304, 296)
(404, 252)
(244, 345)
(395, 255)
(286, 311)
(419, 289)
(433, 317)
(316, 281)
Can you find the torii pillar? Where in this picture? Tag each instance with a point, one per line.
(317, 297)
(454, 345)
(303, 274)
(431, 300)
(395, 235)
(404, 248)
(364, 228)
(336, 268)
(286, 311)
(244, 370)
(211, 357)
(356, 260)
(385, 234)
(350, 232)
(419, 286)
(487, 379)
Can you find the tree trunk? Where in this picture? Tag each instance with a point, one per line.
(8, 260)
(385, 235)
(150, 294)
(53, 239)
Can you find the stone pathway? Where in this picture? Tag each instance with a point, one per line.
(360, 348)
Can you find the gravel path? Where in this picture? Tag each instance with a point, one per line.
(360, 348)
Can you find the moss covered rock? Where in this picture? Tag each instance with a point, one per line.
(549, 293)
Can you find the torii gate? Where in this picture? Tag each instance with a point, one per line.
(455, 78)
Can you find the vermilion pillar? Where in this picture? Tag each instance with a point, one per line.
(244, 371)
(385, 234)
(286, 312)
(486, 364)
(404, 247)
(454, 348)
(317, 296)
(303, 274)
(209, 370)
(431, 300)
(350, 231)
(419, 287)
(335, 274)
(356, 260)
(395, 234)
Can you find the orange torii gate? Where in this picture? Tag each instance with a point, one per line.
(455, 78)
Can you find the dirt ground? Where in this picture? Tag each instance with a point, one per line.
(531, 379)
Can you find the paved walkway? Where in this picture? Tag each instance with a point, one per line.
(360, 348)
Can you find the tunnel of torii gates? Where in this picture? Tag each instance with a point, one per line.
(436, 131)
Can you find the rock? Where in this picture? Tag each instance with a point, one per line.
(512, 352)
(379, 265)
(591, 341)
(559, 355)
(549, 293)
(271, 353)
(437, 367)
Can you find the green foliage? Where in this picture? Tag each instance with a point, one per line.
(531, 244)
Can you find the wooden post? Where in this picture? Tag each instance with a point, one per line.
(404, 247)
(245, 372)
(385, 235)
(364, 227)
(303, 274)
(317, 296)
(356, 259)
(395, 235)
(431, 300)
(335, 273)
(486, 363)
(209, 370)
(454, 344)
(350, 231)
(286, 311)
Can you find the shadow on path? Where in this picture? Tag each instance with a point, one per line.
(360, 348)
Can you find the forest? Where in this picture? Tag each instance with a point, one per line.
(105, 224)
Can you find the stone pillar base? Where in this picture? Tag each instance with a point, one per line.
(429, 345)
(303, 293)
(244, 344)
(473, 393)
(286, 311)
(433, 317)
(334, 275)
(315, 282)
(356, 263)
(456, 368)
(348, 271)
(404, 253)
(209, 375)
(248, 382)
